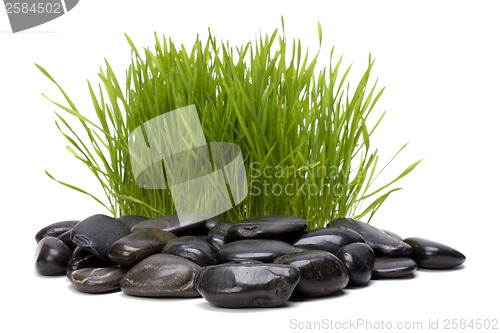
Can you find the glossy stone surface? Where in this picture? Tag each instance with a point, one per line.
(321, 273)
(84, 259)
(434, 255)
(270, 226)
(381, 243)
(55, 229)
(132, 248)
(131, 220)
(161, 275)
(97, 280)
(52, 256)
(217, 236)
(66, 238)
(265, 250)
(97, 233)
(393, 234)
(211, 222)
(171, 223)
(393, 267)
(247, 285)
(359, 259)
(193, 248)
(327, 239)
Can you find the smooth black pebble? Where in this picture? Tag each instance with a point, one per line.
(434, 255)
(52, 256)
(217, 236)
(192, 224)
(55, 229)
(266, 227)
(84, 259)
(327, 239)
(131, 220)
(97, 280)
(193, 248)
(359, 258)
(265, 250)
(393, 267)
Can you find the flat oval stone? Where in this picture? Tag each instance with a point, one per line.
(359, 258)
(171, 223)
(161, 275)
(434, 255)
(265, 250)
(131, 220)
(139, 244)
(247, 285)
(96, 234)
(327, 239)
(321, 273)
(381, 243)
(192, 248)
(52, 256)
(211, 222)
(55, 229)
(84, 259)
(393, 234)
(393, 267)
(97, 280)
(270, 226)
(217, 236)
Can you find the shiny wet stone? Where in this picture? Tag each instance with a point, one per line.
(55, 229)
(327, 239)
(66, 238)
(132, 248)
(97, 233)
(193, 248)
(359, 259)
(161, 275)
(97, 280)
(52, 256)
(217, 236)
(84, 259)
(393, 267)
(321, 273)
(434, 255)
(270, 226)
(247, 285)
(131, 220)
(381, 243)
(265, 250)
(171, 223)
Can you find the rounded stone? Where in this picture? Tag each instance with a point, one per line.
(393, 267)
(55, 229)
(217, 236)
(239, 285)
(66, 238)
(265, 250)
(84, 259)
(327, 239)
(161, 275)
(97, 280)
(52, 256)
(270, 226)
(359, 259)
(321, 273)
(434, 255)
(139, 244)
(131, 220)
(193, 248)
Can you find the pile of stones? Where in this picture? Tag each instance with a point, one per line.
(257, 262)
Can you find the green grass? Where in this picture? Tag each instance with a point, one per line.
(305, 127)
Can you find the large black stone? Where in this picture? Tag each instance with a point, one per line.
(321, 273)
(327, 239)
(171, 223)
(192, 248)
(131, 220)
(84, 259)
(393, 267)
(238, 285)
(217, 236)
(55, 229)
(52, 256)
(381, 243)
(97, 280)
(96, 234)
(270, 226)
(434, 255)
(161, 275)
(359, 258)
(139, 244)
(265, 250)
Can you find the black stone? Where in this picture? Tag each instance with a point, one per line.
(393, 234)
(393, 267)
(55, 229)
(270, 226)
(131, 220)
(52, 256)
(381, 243)
(97, 280)
(132, 248)
(84, 259)
(161, 275)
(434, 255)
(192, 248)
(96, 234)
(359, 258)
(247, 285)
(66, 238)
(265, 250)
(327, 239)
(217, 236)
(171, 223)
(211, 222)
(321, 273)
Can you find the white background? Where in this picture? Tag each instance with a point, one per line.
(439, 62)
